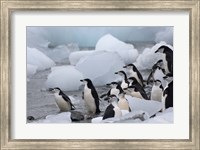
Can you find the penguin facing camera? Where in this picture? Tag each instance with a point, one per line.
(112, 109)
(157, 90)
(123, 102)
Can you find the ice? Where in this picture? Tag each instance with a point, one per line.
(151, 107)
(64, 117)
(38, 59)
(31, 69)
(164, 117)
(148, 57)
(126, 51)
(74, 57)
(100, 67)
(165, 35)
(67, 78)
(60, 53)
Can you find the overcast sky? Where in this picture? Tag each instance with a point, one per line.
(88, 36)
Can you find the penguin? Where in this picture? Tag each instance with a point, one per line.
(167, 95)
(156, 91)
(125, 82)
(134, 82)
(115, 90)
(167, 58)
(91, 97)
(157, 73)
(134, 91)
(112, 109)
(133, 72)
(63, 101)
(123, 102)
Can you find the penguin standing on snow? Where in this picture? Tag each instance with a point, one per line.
(157, 90)
(157, 73)
(115, 89)
(123, 102)
(167, 58)
(63, 101)
(134, 91)
(167, 95)
(91, 97)
(112, 110)
(125, 82)
(133, 72)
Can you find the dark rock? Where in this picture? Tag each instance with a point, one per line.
(30, 118)
(76, 116)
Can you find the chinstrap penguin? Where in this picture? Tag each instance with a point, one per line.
(91, 97)
(125, 82)
(63, 101)
(156, 91)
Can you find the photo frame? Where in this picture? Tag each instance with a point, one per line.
(10, 7)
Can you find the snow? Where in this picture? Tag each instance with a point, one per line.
(143, 63)
(126, 51)
(74, 57)
(165, 35)
(100, 67)
(67, 78)
(64, 117)
(38, 59)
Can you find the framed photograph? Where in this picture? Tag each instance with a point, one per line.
(100, 74)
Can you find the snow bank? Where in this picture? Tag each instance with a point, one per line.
(74, 57)
(148, 57)
(165, 35)
(64, 117)
(38, 59)
(126, 51)
(100, 67)
(66, 78)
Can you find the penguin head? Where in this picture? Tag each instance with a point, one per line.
(121, 73)
(159, 63)
(55, 90)
(113, 84)
(163, 49)
(131, 67)
(86, 81)
(113, 98)
(157, 82)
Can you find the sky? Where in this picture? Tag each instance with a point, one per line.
(88, 36)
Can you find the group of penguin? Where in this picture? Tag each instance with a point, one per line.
(132, 84)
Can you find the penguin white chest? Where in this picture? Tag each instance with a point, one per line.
(117, 110)
(114, 91)
(89, 100)
(123, 104)
(124, 84)
(156, 93)
(158, 75)
(62, 104)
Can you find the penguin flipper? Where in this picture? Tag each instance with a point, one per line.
(109, 112)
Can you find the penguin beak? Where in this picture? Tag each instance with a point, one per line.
(51, 90)
(108, 84)
(116, 72)
(81, 80)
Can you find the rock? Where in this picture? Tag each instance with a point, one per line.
(76, 116)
